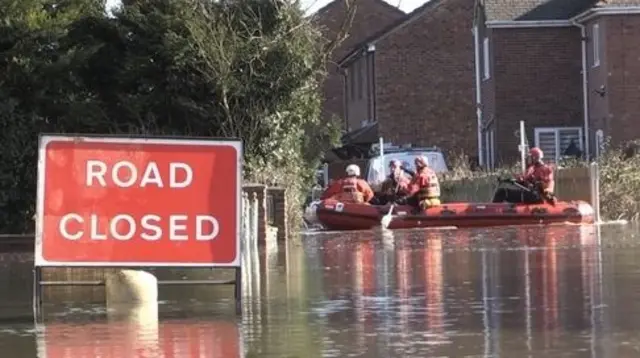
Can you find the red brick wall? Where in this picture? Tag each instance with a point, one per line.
(537, 74)
(370, 17)
(622, 33)
(359, 93)
(425, 84)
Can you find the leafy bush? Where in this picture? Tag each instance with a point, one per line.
(248, 69)
(620, 184)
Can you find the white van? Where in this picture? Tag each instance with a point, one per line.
(377, 170)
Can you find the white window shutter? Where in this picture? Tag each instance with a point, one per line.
(554, 141)
(547, 142)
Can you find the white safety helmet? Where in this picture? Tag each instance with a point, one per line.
(353, 170)
(422, 160)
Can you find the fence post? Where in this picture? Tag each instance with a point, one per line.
(255, 216)
(325, 175)
(255, 257)
(245, 247)
(594, 176)
(244, 216)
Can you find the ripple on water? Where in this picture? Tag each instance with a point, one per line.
(513, 292)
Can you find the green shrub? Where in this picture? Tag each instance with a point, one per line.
(619, 184)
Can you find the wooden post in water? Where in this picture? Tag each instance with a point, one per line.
(244, 245)
(255, 257)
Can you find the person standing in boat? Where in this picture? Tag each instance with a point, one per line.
(424, 189)
(535, 186)
(395, 185)
(350, 189)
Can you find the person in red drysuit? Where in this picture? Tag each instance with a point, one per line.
(350, 189)
(395, 185)
(535, 186)
(424, 189)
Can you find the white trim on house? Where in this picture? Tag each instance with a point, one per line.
(617, 10)
(497, 24)
(486, 59)
(595, 39)
(476, 44)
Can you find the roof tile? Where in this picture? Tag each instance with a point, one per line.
(514, 10)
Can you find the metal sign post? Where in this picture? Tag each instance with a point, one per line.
(523, 147)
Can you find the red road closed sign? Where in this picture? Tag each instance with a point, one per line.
(112, 201)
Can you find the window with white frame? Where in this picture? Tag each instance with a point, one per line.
(554, 141)
(595, 37)
(485, 58)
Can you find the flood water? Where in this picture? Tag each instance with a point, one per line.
(560, 291)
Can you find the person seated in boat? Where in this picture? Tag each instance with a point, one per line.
(350, 189)
(395, 185)
(424, 189)
(535, 186)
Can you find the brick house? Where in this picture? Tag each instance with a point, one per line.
(369, 17)
(569, 68)
(413, 82)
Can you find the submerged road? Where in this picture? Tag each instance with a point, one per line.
(556, 291)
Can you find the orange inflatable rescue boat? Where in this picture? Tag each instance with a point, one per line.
(335, 215)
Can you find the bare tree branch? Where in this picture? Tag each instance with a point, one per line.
(343, 30)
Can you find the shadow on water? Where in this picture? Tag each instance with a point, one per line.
(569, 291)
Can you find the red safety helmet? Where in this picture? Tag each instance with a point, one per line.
(535, 152)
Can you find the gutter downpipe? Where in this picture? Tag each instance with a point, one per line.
(476, 38)
(585, 91)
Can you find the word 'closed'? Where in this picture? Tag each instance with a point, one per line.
(150, 227)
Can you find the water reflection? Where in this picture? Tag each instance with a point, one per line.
(460, 292)
(169, 339)
(537, 291)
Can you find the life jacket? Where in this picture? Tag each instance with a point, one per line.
(349, 191)
(432, 188)
(540, 174)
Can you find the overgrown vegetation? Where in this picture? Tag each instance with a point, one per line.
(619, 179)
(244, 68)
(620, 184)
